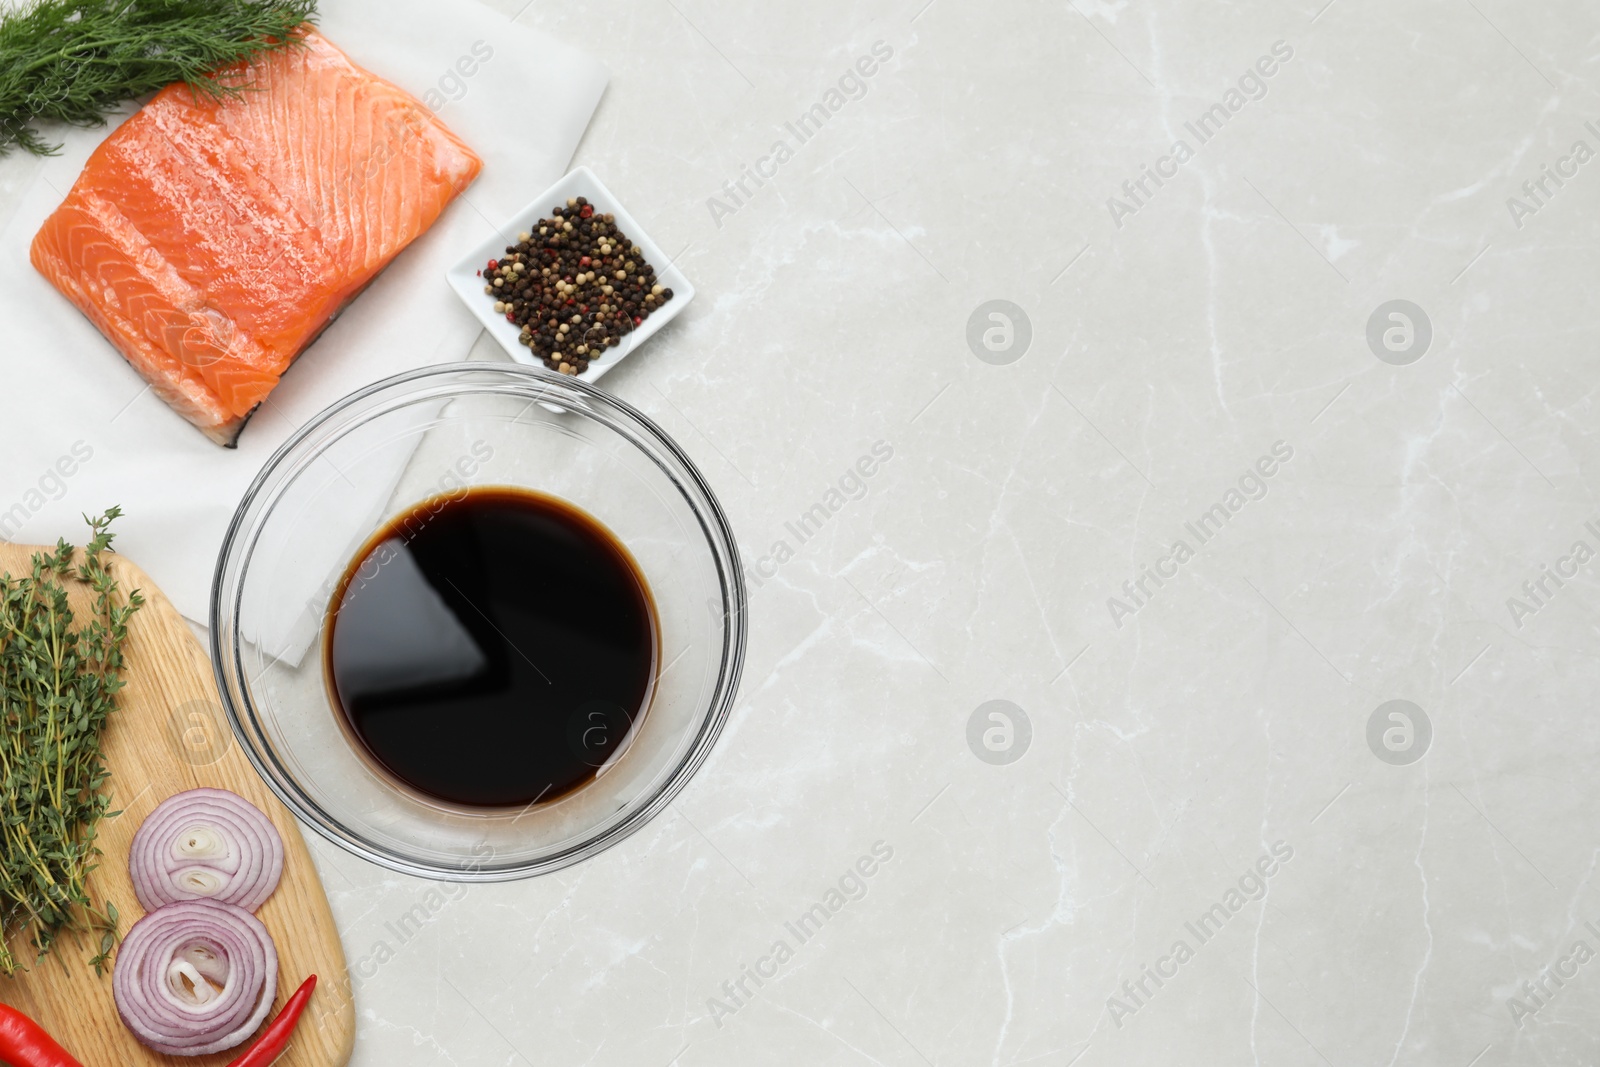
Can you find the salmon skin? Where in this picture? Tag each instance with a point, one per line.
(212, 240)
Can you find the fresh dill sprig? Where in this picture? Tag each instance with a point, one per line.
(73, 61)
(58, 684)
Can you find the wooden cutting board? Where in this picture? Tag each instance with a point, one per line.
(167, 734)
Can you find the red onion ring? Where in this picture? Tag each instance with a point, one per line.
(206, 844)
(195, 977)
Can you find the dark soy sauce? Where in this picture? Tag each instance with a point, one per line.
(492, 648)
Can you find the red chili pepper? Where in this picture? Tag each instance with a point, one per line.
(23, 1042)
(270, 1045)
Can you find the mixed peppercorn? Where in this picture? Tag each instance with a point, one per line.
(576, 286)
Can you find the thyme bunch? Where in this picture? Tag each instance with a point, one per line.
(58, 684)
(73, 61)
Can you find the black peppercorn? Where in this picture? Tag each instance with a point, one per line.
(568, 262)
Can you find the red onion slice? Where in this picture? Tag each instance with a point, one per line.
(195, 977)
(206, 844)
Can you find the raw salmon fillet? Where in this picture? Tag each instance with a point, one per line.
(213, 240)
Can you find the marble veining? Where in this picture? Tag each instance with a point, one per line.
(1206, 833)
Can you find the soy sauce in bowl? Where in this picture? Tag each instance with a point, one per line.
(492, 648)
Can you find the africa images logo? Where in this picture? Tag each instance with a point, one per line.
(1251, 886)
(853, 84)
(1538, 592)
(850, 887)
(1253, 486)
(1252, 85)
(51, 485)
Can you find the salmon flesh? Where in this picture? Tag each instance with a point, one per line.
(212, 240)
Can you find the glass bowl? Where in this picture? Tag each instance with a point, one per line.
(373, 456)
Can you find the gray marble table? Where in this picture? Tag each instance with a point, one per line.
(1204, 672)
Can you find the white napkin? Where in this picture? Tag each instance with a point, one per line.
(79, 431)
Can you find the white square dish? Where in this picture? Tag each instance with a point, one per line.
(468, 284)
